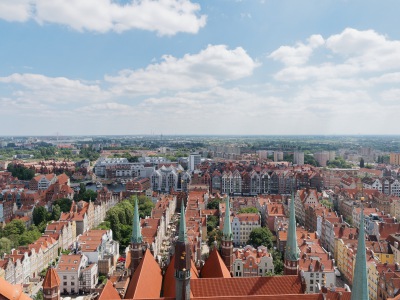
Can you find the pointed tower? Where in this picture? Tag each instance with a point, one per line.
(136, 240)
(51, 285)
(227, 242)
(292, 252)
(360, 279)
(182, 261)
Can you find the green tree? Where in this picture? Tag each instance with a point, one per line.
(278, 262)
(56, 213)
(212, 223)
(5, 245)
(260, 236)
(39, 295)
(362, 163)
(248, 210)
(15, 227)
(40, 215)
(64, 204)
(215, 235)
(213, 204)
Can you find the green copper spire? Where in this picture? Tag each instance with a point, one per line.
(227, 232)
(292, 252)
(360, 279)
(182, 225)
(136, 229)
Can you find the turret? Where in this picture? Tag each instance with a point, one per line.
(182, 260)
(227, 242)
(292, 252)
(51, 285)
(136, 240)
(360, 279)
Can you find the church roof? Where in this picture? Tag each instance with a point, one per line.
(215, 267)
(109, 292)
(169, 278)
(146, 280)
(11, 291)
(246, 286)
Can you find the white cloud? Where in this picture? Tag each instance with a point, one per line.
(59, 90)
(15, 10)
(166, 17)
(212, 66)
(299, 54)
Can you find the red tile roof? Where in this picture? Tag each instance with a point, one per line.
(108, 292)
(215, 267)
(146, 280)
(51, 280)
(242, 286)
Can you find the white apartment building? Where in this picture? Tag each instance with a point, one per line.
(194, 160)
(242, 225)
(76, 274)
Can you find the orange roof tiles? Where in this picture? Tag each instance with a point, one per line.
(108, 292)
(215, 267)
(146, 280)
(51, 280)
(11, 291)
(244, 286)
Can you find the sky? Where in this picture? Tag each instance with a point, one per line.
(249, 67)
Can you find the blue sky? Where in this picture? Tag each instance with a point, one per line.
(199, 67)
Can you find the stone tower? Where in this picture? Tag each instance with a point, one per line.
(360, 279)
(136, 240)
(292, 252)
(182, 261)
(51, 285)
(227, 242)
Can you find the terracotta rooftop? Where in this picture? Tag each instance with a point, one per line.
(108, 292)
(146, 280)
(245, 286)
(11, 291)
(51, 280)
(215, 267)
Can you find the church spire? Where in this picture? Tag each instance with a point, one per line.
(182, 260)
(360, 279)
(227, 232)
(182, 225)
(227, 242)
(292, 253)
(136, 250)
(136, 237)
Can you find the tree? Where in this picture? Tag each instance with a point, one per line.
(260, 236)
(15, 227)
(278, 262)
(248, 210)
(64, 204)
(215, 235)
(362, 162)
(56, 213)
(5, 245)
(39, 215)
(213, 204)
(212, 223)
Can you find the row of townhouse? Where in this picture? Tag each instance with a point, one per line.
(26, 262)
(386, 185)
(88, 215)
(265, 182)
(250, 262)
(170, 178)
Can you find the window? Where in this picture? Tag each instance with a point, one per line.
(64, 283)
(64, 277)
(72, 283)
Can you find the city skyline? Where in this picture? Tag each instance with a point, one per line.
(199, 67)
